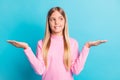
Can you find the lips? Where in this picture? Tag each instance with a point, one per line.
(57, 27)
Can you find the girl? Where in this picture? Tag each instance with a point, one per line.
(57, 56)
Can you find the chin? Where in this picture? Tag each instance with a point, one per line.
(57, 32)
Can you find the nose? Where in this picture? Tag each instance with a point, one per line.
(56, 21)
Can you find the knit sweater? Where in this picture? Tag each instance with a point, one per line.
(56, 69)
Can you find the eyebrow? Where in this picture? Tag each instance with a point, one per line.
(58, 17)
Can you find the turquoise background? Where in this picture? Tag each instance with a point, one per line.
(89, 20)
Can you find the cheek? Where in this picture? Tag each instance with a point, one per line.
(51, 24)
(51, 27)
(63, 23)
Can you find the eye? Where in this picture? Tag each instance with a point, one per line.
(61, 18)
(52, 19)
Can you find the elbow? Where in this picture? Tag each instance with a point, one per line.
(77, 70)
(39, 72)
(39, 69)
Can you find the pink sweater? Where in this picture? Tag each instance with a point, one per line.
(56, 69)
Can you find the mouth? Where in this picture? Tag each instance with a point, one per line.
(57, 27)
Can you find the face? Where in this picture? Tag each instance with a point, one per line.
(57, 23)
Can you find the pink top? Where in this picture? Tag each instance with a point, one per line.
(56, 69)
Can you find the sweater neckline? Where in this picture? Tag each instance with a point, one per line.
(57, 36)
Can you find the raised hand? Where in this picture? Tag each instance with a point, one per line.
(95, 43)
(18, 44)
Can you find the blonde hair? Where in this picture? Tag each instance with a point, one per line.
(46, 40)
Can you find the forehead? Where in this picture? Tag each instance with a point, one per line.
(56, 14)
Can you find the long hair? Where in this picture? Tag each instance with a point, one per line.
(46, 40)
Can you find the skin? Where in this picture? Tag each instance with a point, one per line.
(56, 22)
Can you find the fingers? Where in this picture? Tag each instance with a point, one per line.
(18, 44)
(10, 41)
(13, 42)
(97, 42)
(102, 41)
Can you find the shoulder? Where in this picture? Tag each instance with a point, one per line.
(73, 42)
(74, 47)
(40, 43)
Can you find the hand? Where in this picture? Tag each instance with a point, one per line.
(95, 43)
(18, 44)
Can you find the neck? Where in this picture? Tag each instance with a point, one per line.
(57, 34)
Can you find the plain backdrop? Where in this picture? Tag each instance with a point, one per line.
(88, 20)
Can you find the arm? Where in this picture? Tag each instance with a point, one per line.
(36, 61)
(79, 59)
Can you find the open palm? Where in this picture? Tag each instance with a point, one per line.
(18, 44)
(96, 43)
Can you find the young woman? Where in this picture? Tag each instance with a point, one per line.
(57, 56)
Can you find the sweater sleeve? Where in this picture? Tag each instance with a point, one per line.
(36, 61)
(79, 58)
